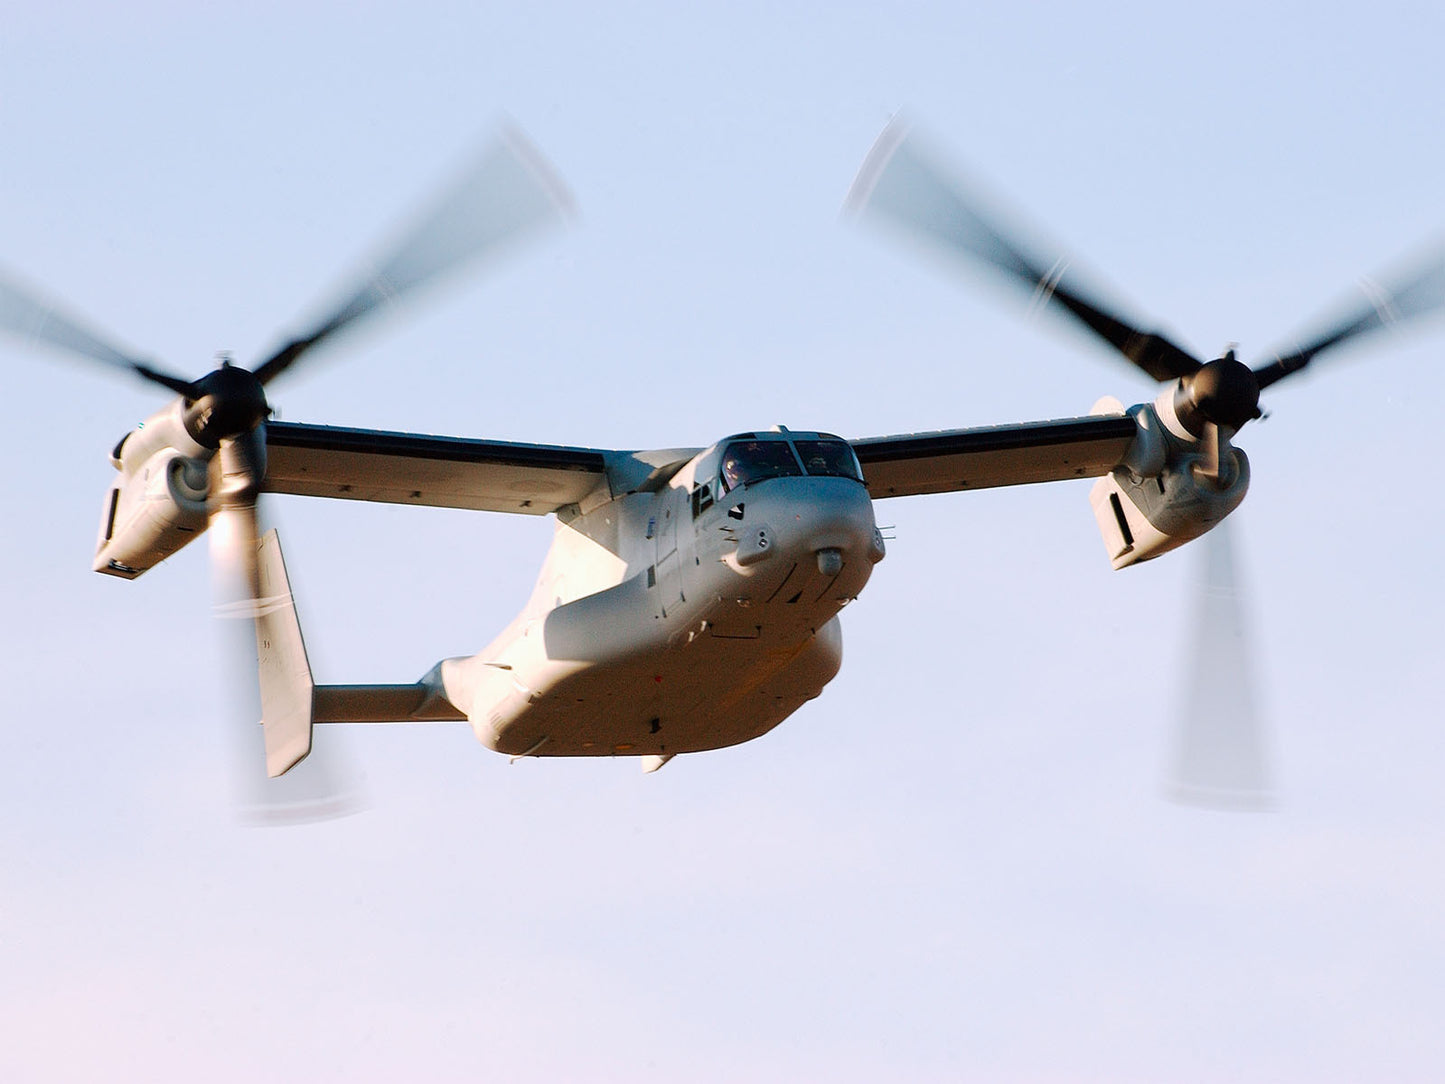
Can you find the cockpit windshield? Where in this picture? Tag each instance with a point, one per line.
(829, 457)
(747, 461)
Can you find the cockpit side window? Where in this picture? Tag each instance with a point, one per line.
(747, 461)
(701, 499)
(829, 457)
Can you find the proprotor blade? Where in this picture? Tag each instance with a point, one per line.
(1411, 290)
(508, 191)
(312, 790)
(901, 184)
(1220, 760)
(34, 319)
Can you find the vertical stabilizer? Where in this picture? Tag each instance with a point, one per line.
(286, 685)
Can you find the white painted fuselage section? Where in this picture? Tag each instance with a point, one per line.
(662, 624)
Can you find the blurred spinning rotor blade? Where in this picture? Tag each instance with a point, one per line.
(313, 790)
(1220, 760)
(901, 185)
(1414, 290)
(507, 192)
(34, 319)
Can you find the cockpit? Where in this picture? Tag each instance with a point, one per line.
(752, 459)
(749, 458)
(747, 461)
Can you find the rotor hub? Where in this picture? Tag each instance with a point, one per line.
(1223, 392)
(231, 402)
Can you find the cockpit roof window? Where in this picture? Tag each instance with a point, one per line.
(829, 457)
(746, 461)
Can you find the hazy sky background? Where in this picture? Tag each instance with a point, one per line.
(956, 863)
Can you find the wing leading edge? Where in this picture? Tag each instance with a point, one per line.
(537, 479)
(998, 455)
(446, 472)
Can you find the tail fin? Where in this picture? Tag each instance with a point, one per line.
(286, 685)
(292, 702)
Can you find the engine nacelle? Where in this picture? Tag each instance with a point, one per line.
(1143, 513)
(152, 513)
(158, 504)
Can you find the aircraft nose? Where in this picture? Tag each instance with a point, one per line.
(841, 528)
(827, 522)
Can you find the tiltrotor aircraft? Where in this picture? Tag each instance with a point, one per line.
(690, 598)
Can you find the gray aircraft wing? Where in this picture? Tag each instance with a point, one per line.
(996, 455)
(449, 472)
(537, 479)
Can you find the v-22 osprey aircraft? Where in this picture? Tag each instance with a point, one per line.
(690, 599)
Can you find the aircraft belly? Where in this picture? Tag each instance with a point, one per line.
(710, 693)
(723, 668)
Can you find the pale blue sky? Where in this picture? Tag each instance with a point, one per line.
(955, 864)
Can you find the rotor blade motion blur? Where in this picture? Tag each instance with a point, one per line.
(34, 319)
(1220, 760)
(901, 185)
(1416, 290)
(505, 193)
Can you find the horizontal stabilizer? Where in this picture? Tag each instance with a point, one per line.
(291, 702)
(418, 703)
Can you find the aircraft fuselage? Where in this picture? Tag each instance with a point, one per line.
(692, 617)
